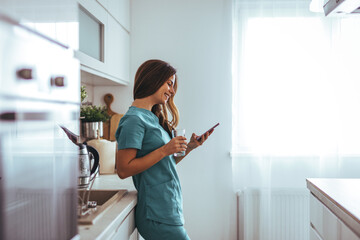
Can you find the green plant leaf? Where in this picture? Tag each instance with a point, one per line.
(83, 93)
(91, 113)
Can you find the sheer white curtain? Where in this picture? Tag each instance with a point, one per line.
(296, 96)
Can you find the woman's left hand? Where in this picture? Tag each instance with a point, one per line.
(193, 143)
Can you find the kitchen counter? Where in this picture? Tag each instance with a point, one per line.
(341, 196)
(113, 217)
(112, 181)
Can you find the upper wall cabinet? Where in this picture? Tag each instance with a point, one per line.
(120, 10)
(104, 41)
(57, 20)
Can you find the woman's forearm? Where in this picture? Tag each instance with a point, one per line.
(137, 165)
(127, 164)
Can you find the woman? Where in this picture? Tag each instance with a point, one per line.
(145, 152)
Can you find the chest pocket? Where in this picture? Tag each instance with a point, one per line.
(164, 204)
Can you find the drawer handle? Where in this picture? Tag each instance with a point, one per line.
(25, 73)
(58, 81)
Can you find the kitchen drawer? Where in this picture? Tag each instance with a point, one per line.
(314, 235)
(126, 229)
(346, 233)
(326, 225)
(323, 220)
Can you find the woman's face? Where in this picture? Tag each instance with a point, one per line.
(163, 94)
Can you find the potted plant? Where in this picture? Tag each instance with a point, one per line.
(92, 117)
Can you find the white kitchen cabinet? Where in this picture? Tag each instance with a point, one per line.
(346, 233)
(91, 16)
(99, 28)
(314, 235)
(126, 229)
(117, 51)
(325, 225)
(120, 10)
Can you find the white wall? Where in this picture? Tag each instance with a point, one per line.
(195, 37)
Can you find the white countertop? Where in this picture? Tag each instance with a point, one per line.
(116, 213)
(112, 181)
(341, 196)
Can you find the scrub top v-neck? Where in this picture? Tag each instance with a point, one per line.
(159, 190)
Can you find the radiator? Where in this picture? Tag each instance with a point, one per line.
(276, 214)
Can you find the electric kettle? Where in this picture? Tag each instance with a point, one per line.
(88, 160)
(87, 155)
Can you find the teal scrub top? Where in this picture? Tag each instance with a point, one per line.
(159, 190)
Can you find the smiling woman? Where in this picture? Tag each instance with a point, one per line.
(146, 152)
(153, 77)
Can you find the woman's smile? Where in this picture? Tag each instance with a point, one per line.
(167, 96)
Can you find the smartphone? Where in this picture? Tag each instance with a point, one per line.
(198, 139)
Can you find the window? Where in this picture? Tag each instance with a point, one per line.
(296, 87)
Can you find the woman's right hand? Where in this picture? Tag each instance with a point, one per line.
(177, 144)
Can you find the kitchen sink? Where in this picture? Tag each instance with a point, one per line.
(104, 200)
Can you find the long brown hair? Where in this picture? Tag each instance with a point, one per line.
(150, 76)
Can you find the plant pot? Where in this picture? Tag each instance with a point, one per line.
(91, 130)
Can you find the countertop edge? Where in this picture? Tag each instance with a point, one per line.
(343, 214)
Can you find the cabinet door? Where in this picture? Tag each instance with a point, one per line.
(135, 235)
(117, 51)
(102, 33)
(314, 235)
(103, 3)
(126, 228)
(331, 225)
(92, 26)
(120, 10)
(323, 220)
(326, 224)
(346, 233)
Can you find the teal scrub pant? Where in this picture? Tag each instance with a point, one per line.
(152, 230)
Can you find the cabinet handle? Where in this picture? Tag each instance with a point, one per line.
(58, 81)
(26, 116)
(25, 73)
(34, 116)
